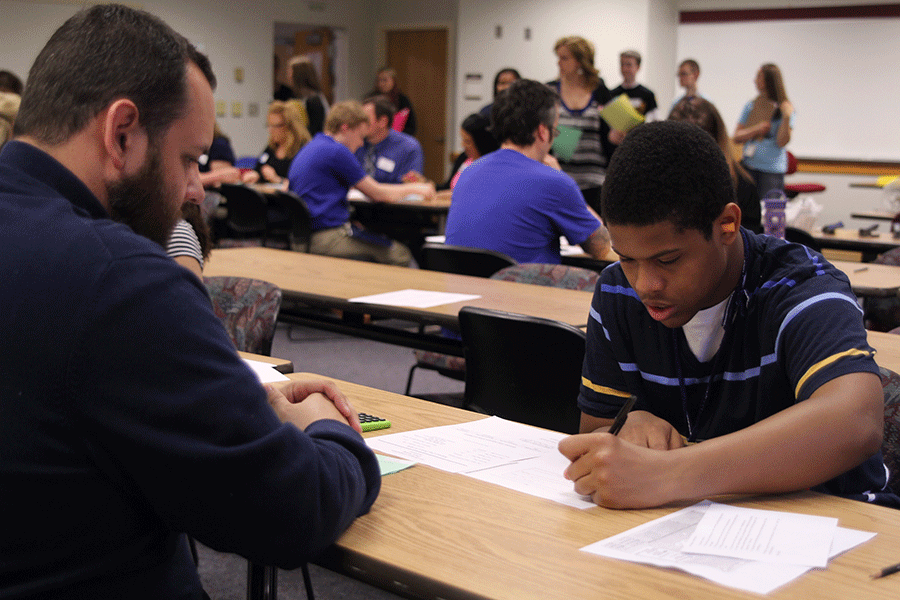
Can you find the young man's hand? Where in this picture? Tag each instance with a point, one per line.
(647, 430)
(618, 474)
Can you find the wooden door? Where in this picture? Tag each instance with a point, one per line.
(420, 59)
(316, 44)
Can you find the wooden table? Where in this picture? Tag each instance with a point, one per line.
(327, 284)
(877, 215)
(405, 217)
(850, 239)
(434, 534)
(871, 279)
(282, 365)
(887, 346)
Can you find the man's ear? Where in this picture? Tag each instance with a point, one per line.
(729, 223)
(124, 139)
(542, 133)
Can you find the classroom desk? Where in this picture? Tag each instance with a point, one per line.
(877, 215)
(440, 204)
(849, 239)
(887, 346)
(433, 534)
(326, 284)
(282, 365)
(409, 221)
(871, 279)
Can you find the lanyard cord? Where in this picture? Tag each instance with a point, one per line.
(739, 297)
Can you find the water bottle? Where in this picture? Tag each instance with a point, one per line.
(775, 202)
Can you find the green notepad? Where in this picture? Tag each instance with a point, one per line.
(565, 143)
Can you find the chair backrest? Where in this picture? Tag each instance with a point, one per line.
(522, 368)
(247, 208)
(791, 163)
(400, 118)
(891, 257)
(800, 236)
(301, 220)
(248, 308)
(462, 260)
(890, 446)
(561, 276)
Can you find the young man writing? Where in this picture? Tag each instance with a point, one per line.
(128, 418)
(749, 345)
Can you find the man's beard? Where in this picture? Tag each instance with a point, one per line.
(141, 201)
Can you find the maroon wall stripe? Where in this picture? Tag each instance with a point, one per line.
(860, 11)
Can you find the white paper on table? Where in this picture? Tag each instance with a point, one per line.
(541, 476)
(415, 298)
(466, 447)
(660, 541)
(264, 371)
(763, 535)
(494, 450)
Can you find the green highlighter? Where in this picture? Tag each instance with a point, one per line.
(372, 423)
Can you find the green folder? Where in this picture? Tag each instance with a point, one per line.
(566, 141)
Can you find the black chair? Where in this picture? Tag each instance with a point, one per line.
(800, 236)
(522, 368)
(561, 276)
(300, 220)
(247, 211)
(462, 260)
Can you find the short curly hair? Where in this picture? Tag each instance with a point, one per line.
(667, 171)
(520, 109)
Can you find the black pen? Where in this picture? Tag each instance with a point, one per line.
(623, 414)
(887, 571)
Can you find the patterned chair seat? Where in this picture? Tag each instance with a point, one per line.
(248, 308)
(890, 446)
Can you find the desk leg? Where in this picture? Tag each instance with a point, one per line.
(262, 582)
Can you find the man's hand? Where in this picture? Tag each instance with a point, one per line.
(414, 177)
(303, 402)
(269, 174)
(425, 188)
(646, 429)
(618, 474)
(551, 161)
(616, 136)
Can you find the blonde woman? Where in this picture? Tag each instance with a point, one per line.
(582, 94)
(286, 136)
(765, 129)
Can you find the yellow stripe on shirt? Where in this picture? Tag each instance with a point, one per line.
(602, 389)
(827, 361)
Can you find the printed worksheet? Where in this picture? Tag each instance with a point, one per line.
(661, 543)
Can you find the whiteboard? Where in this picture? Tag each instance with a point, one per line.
(840, 74)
